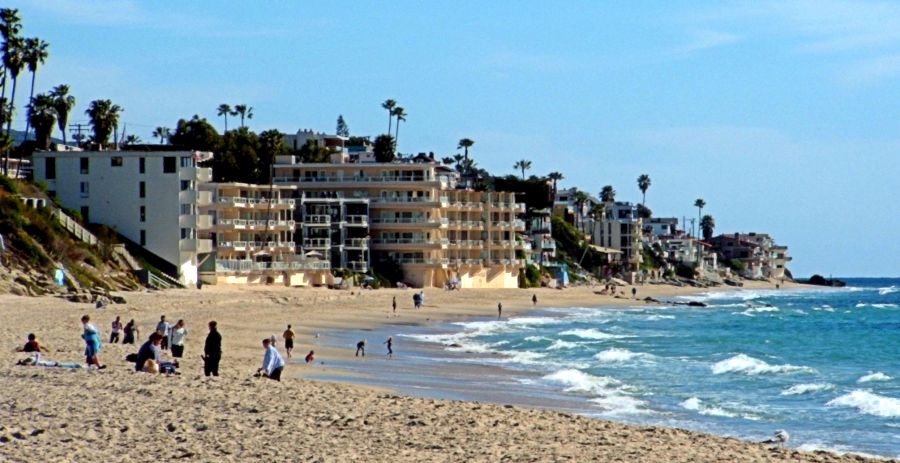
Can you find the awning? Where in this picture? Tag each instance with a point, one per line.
(604, 250)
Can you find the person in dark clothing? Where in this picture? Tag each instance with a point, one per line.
(390, 346)
(361, 348)
(131, 331)
(148, 351)
(534, 299)
(212, 351)
(499, 310)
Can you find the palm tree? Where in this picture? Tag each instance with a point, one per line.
(580, 199)
(131, 140)
(42, 116)
(224, 110)
(699, 204)
(608, 194)
(555, 176)
(643, 184)
(35, 55)
(523, 165)
(447, 160)
(163, 133)
(62, 104)
(465, 144)
(10, 25)
(458, 158)
(14, 61)
(104, 116)
(389, 105)
(708, 226)
(244, 111)
(400, 114)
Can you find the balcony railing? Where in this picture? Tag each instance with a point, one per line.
(422, 260)
(422, 241)
(252, 202)
(411, 200)
(252, 245)
(357, 242)
(411, 220)
(247, 266)
(317, 220)
(360, 179)
(316, 242)
(357, 219)
(467, 243)
(359, 266)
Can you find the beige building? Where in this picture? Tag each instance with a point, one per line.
(419, 220)
(253, 232)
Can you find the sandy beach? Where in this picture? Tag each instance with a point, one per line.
(52, 414)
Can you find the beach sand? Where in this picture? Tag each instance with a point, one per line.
(49, 414)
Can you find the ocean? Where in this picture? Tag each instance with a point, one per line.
(823, 364)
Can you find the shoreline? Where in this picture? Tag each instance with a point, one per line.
(64, 415)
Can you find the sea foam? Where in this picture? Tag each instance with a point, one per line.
(617, 355)
(747, 365)
(799, 389)
(877, 376)
(697, 405)
(591, 333)
(868, 403)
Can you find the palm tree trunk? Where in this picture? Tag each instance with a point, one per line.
(396, 134)
(30, 99)
(644, 198)
(390, 119)
(12, 104)
(226, 123)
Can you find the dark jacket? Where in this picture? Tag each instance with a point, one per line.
(147, 351)
(213, 346)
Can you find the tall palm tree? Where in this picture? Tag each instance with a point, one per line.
(244, 111)
(62, 103)
(104, 116)
(35, 55)
(14, 61)
(389, 105)
(524, 165)
(10, 25)
(224, 110)
(465, 144)
(42, 116)
(708, 226)
(580, 199)
(643, 184)
(400, 114)
(699, 204)
(555, 176)
(163, 133)
(608, 194)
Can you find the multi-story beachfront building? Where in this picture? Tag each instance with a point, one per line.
(336, 227)
(761, 257)
(540, 229)
(620, 229)
(419, 220)
(253, 229)
(149, 197)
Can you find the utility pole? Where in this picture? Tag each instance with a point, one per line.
(77, 127)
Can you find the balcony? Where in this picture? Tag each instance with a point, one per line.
(465, 206)
(199, 246)
(369, 180)
(200, 174)
(415, 222)
(204, 198)
(410, 201)
(422, 261)
(358, 266)
(258, 203)
(316, 243)
(356, 243)
(252, 224)
(357, 220)
(466, 243)
(249, 266)
(255, 245)
(317, 220)
(409, 243)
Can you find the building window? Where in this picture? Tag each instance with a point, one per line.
(143, 237)
(85, 167)
(115, 161)
(187, 233)
(85, 214)
(185, 185)
(169, 165)
(50, 168)
(187, 209)
(187, 161)
(142, 189)
(142, 165)
(85, 190)
(143, 214)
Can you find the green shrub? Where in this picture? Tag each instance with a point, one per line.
(7, 184)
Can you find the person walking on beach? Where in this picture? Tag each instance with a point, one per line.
(114, 331)
(288, 336)
(91, 343)
(394, 304)
(499, 310)
(163, 328)
(534, 299)
(390, 346)
(273, 364)
(634, 293)
(212, 351)
(131, 330)
(178, 334)
(361, 348)
(417, 301)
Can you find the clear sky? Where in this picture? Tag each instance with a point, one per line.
(782, 115)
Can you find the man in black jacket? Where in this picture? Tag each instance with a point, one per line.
(212, 351)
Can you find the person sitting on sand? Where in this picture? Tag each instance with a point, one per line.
(273, 364)
(311, 356)
(91, 343)
(32, 345)
(361, 347)
(148, 351)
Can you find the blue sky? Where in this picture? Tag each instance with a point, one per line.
(783, 116)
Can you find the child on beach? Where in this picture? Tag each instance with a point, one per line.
(32, 345)
(91, 343)
(114, 332)
(390, 344)
(311, 356)
(361, 347)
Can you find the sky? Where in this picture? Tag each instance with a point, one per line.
(781, 115)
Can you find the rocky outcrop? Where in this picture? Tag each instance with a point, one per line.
(819, 280)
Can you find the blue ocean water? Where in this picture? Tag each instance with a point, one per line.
(823, 364)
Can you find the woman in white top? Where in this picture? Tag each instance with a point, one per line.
(179, 332)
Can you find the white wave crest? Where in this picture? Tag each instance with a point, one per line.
(591, 333)
(618, 404)
(869, 403)
(888, 290)
(747, 365)
(579, 381)
(877, 376)
(697, 405)
(798, 389)
(617, 355)
(559, 344)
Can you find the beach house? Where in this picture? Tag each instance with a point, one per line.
(620, 228)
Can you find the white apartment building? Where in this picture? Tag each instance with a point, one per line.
(661, 226)
(621, 229)
(149, 197)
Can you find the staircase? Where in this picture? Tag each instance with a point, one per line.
(73, 227)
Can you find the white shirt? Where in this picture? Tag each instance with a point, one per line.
(272, 360)
(178, 335)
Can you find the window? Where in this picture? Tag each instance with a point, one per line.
(143, 237)
(85, 190)
(187, 233)
(187, 161)
(143, 214)
(85, 166)
(142, 187)
(142, 165)
(187, 209)
(50, 168)
(115, 161)
(185, 185)
(169, 165)
(85, 214)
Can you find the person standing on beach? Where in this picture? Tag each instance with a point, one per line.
(417, 301)
(361, 347)
(91, 343)
(634, 293)
(178, 334)
(163, 328)
(534, 299)
(273, 364)
(390, 346)
(212, 351)
(131, 331)
(289, 336)
(114, 332)
(499, 310)
(394, 304)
